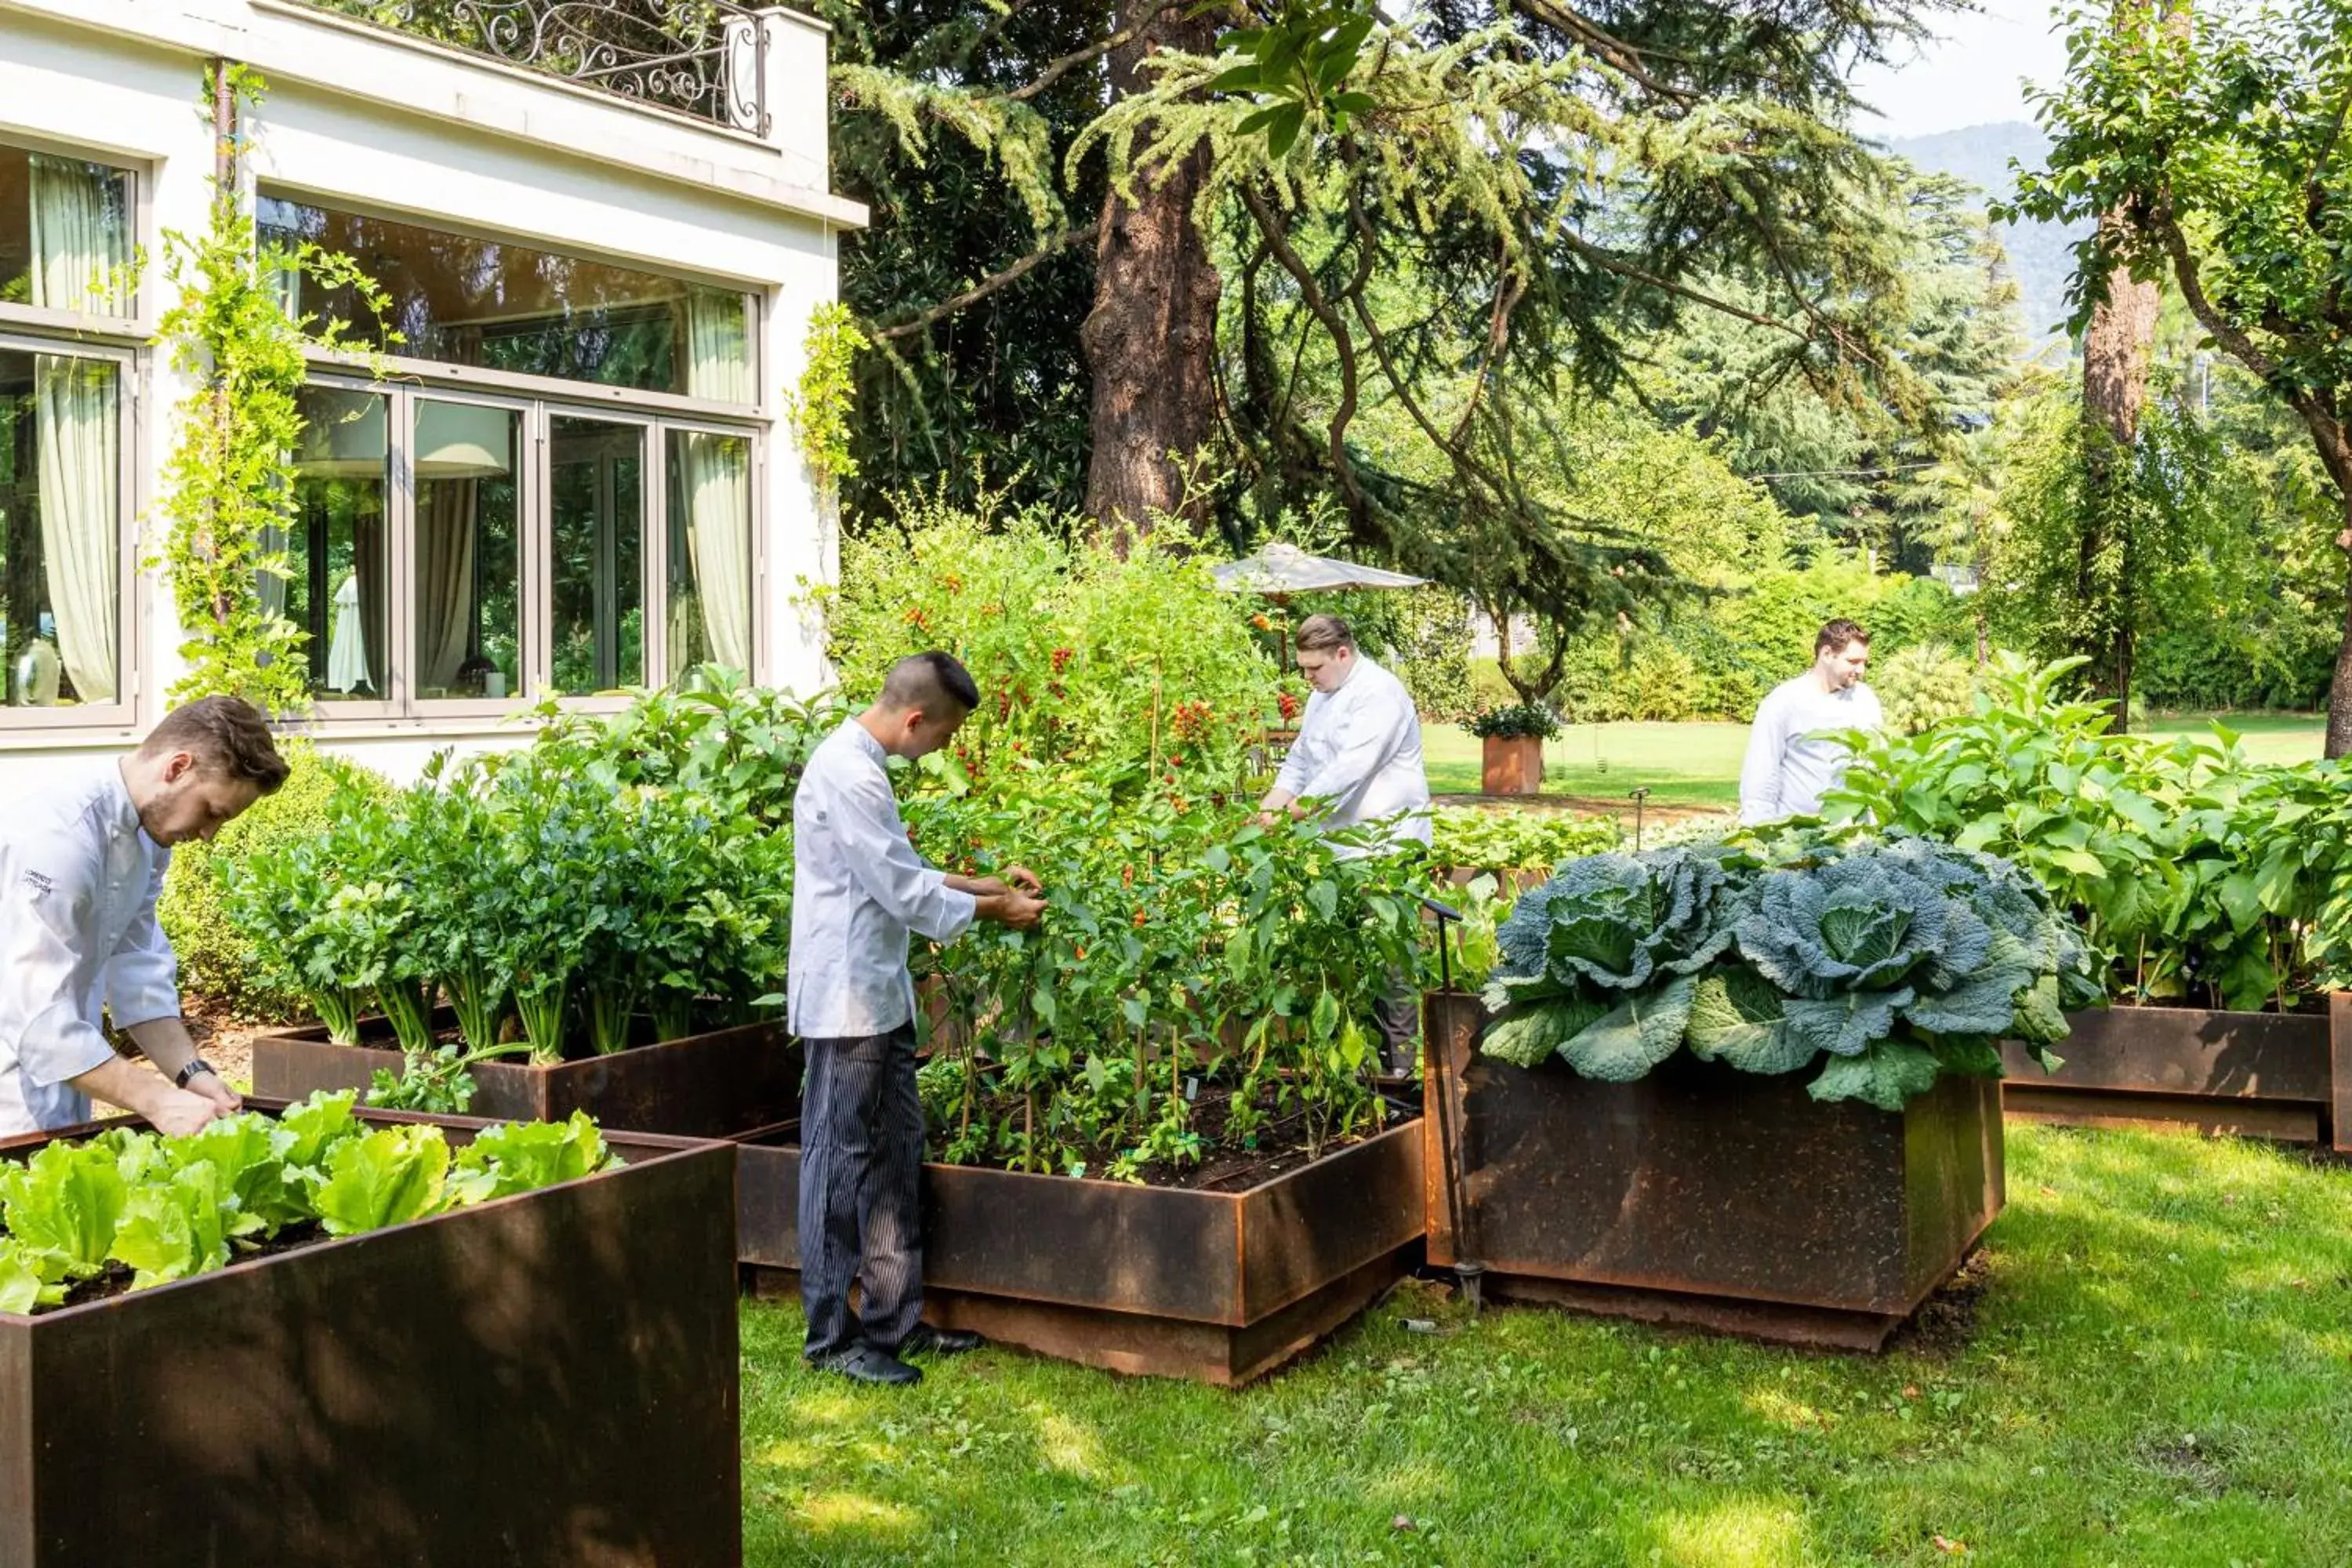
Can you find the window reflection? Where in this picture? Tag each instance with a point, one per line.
(513, 308)
(469, 550)
(64, 234)
(596, 542)
(60, 522)
(336, 588)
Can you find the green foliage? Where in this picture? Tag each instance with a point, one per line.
(1885, 962)
(628, 864)
(821, 413)
(1084, 656)
(1181, 943)
(2204, 879)
(1508, 841)
(1516, 720)
(172, 1209)
(1921, 686)
(228, 482)
(218, 961)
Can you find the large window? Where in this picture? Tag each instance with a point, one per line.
(500, 306)
(461, 548)
(61, 536)
(66, 234)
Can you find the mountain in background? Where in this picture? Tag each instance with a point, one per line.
(2039, 252)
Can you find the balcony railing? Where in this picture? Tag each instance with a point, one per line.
(704, 58)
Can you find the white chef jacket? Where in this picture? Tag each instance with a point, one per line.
(1786, 774)
(78, 878)
(858, 889)
(1359, 749)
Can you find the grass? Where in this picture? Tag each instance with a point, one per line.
(2159, 1372)
(1697, 764)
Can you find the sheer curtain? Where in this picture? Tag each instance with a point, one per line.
(715, 476)
(80, 260)
(444, 580)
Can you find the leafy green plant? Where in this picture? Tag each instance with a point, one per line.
(1886, 963)
(61, 1207)
(1919, 687)
(228, 484)
(388, 1177)
(523, 1157)
(1516, 720)
(1504, 841)
(820, 414)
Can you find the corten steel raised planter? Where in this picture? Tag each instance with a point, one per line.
(547, 1381)
(1511, 765)
(2262, 1075)
(1220, 1288)
(710, 1085)
(1701, 1195)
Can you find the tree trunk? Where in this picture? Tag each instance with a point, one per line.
(2339, 687)
(1153, 326)
(2115, 386)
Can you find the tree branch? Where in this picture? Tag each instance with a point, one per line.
(1277, 238)
(1055, 69)
(985, 287)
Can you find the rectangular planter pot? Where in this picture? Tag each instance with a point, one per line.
(1701, 1195)
(1217, 1286)
(2263, 1075)
(548, 1380)
(1511, 765)
(706, 1086)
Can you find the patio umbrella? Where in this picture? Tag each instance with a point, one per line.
(1281, 570)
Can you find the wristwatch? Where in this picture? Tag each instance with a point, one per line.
(194, 1065)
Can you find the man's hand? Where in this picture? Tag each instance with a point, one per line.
(225, 1100)
(1019, 910)
(177, 1112)
(1024, 878)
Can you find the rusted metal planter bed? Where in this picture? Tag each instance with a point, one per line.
(1701, 1195)
(712, 1085)
(2264, 1075)
(541, 1382)
(1217, 1286)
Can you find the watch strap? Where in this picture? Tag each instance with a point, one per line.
(193, 1065)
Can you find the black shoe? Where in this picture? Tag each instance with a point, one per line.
(866, 1364)
(925, 1340)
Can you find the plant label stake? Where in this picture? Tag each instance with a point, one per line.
(1639, 797)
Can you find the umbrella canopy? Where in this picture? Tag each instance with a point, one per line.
(1281, 570)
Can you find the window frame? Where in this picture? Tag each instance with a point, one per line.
(535, 530)
(554, 388)
(130, 581)
(136, 327)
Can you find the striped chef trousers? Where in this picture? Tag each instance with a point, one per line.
(861, 1158)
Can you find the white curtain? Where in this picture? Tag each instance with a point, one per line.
(716, 477)
(444, 580)
(80, 262)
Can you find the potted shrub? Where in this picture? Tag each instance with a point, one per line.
(2208, 882)
(1158, 1146)
(606, 935)
(1511, 742)
(360, 1338)
(1626, 1124)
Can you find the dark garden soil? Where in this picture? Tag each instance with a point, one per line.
(114, 1280)
(1278, 1146)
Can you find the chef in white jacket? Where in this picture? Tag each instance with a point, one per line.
(1789, 766)
(1359, 751)
(81, 867)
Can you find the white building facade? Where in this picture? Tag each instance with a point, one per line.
(572, 470)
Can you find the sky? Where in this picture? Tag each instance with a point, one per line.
(1968, 74)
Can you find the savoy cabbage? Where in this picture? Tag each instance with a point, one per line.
(1885, 962)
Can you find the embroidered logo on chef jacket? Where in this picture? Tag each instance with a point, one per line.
(38, 880)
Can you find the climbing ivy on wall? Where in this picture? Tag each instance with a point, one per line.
(828, 393)
(228, 484)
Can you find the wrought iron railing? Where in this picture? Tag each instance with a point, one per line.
(706, 59)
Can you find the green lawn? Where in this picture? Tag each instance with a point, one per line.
(1698, 764)
(2159, 1372)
